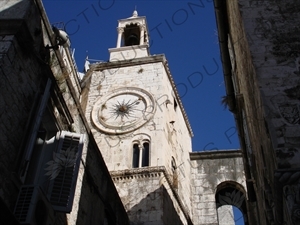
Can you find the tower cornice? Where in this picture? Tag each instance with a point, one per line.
(132, 18)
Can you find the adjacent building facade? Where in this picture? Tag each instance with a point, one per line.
(52, 171)
(259, 43)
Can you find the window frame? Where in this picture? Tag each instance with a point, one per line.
(143, 159)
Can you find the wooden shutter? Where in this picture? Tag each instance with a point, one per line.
(23, 203)
(32, 207)
(64, 172)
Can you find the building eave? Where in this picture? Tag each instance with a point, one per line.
(219, 154)
(222, 27)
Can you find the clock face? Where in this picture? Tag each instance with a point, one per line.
(123, 110)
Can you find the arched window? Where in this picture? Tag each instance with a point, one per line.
(131, 35)
(145, 158)
(140, 154)
(136, 156)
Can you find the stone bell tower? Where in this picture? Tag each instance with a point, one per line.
(133, 38)
(141, 128)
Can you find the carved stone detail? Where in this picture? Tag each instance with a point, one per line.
(287, 157)
(290, 113)
(287, 176)
(120, 29)
(292, 200)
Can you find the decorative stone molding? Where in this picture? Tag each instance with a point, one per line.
(287, 158)
(112, 113)
(146, 172)
(292, 202)
(138, 172)
(132, 20)
(143, 27)
(287, 176)
(287, 184)
(120, 29)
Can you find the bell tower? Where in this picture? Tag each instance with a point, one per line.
(139, 123)
(133, 38)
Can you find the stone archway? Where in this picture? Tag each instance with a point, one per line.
(234, 194)
(215, 173)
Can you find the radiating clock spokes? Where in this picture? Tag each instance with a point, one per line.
(123, 110)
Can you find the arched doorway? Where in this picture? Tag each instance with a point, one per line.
(230, 193)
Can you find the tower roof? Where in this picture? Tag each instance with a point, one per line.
(135, 13)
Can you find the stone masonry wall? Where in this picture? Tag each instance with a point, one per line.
(266, 47)
(148, 197)
(142, 198)
(20, 80)
(25, 66)
(251, 106)
(209, 170)
(96, 199)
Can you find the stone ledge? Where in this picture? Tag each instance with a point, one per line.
(137, 173)
(220, 154)
(133, 47)
(130, 62)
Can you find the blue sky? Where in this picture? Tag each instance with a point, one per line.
(185, 31)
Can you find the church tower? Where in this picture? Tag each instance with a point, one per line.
(139, 123)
